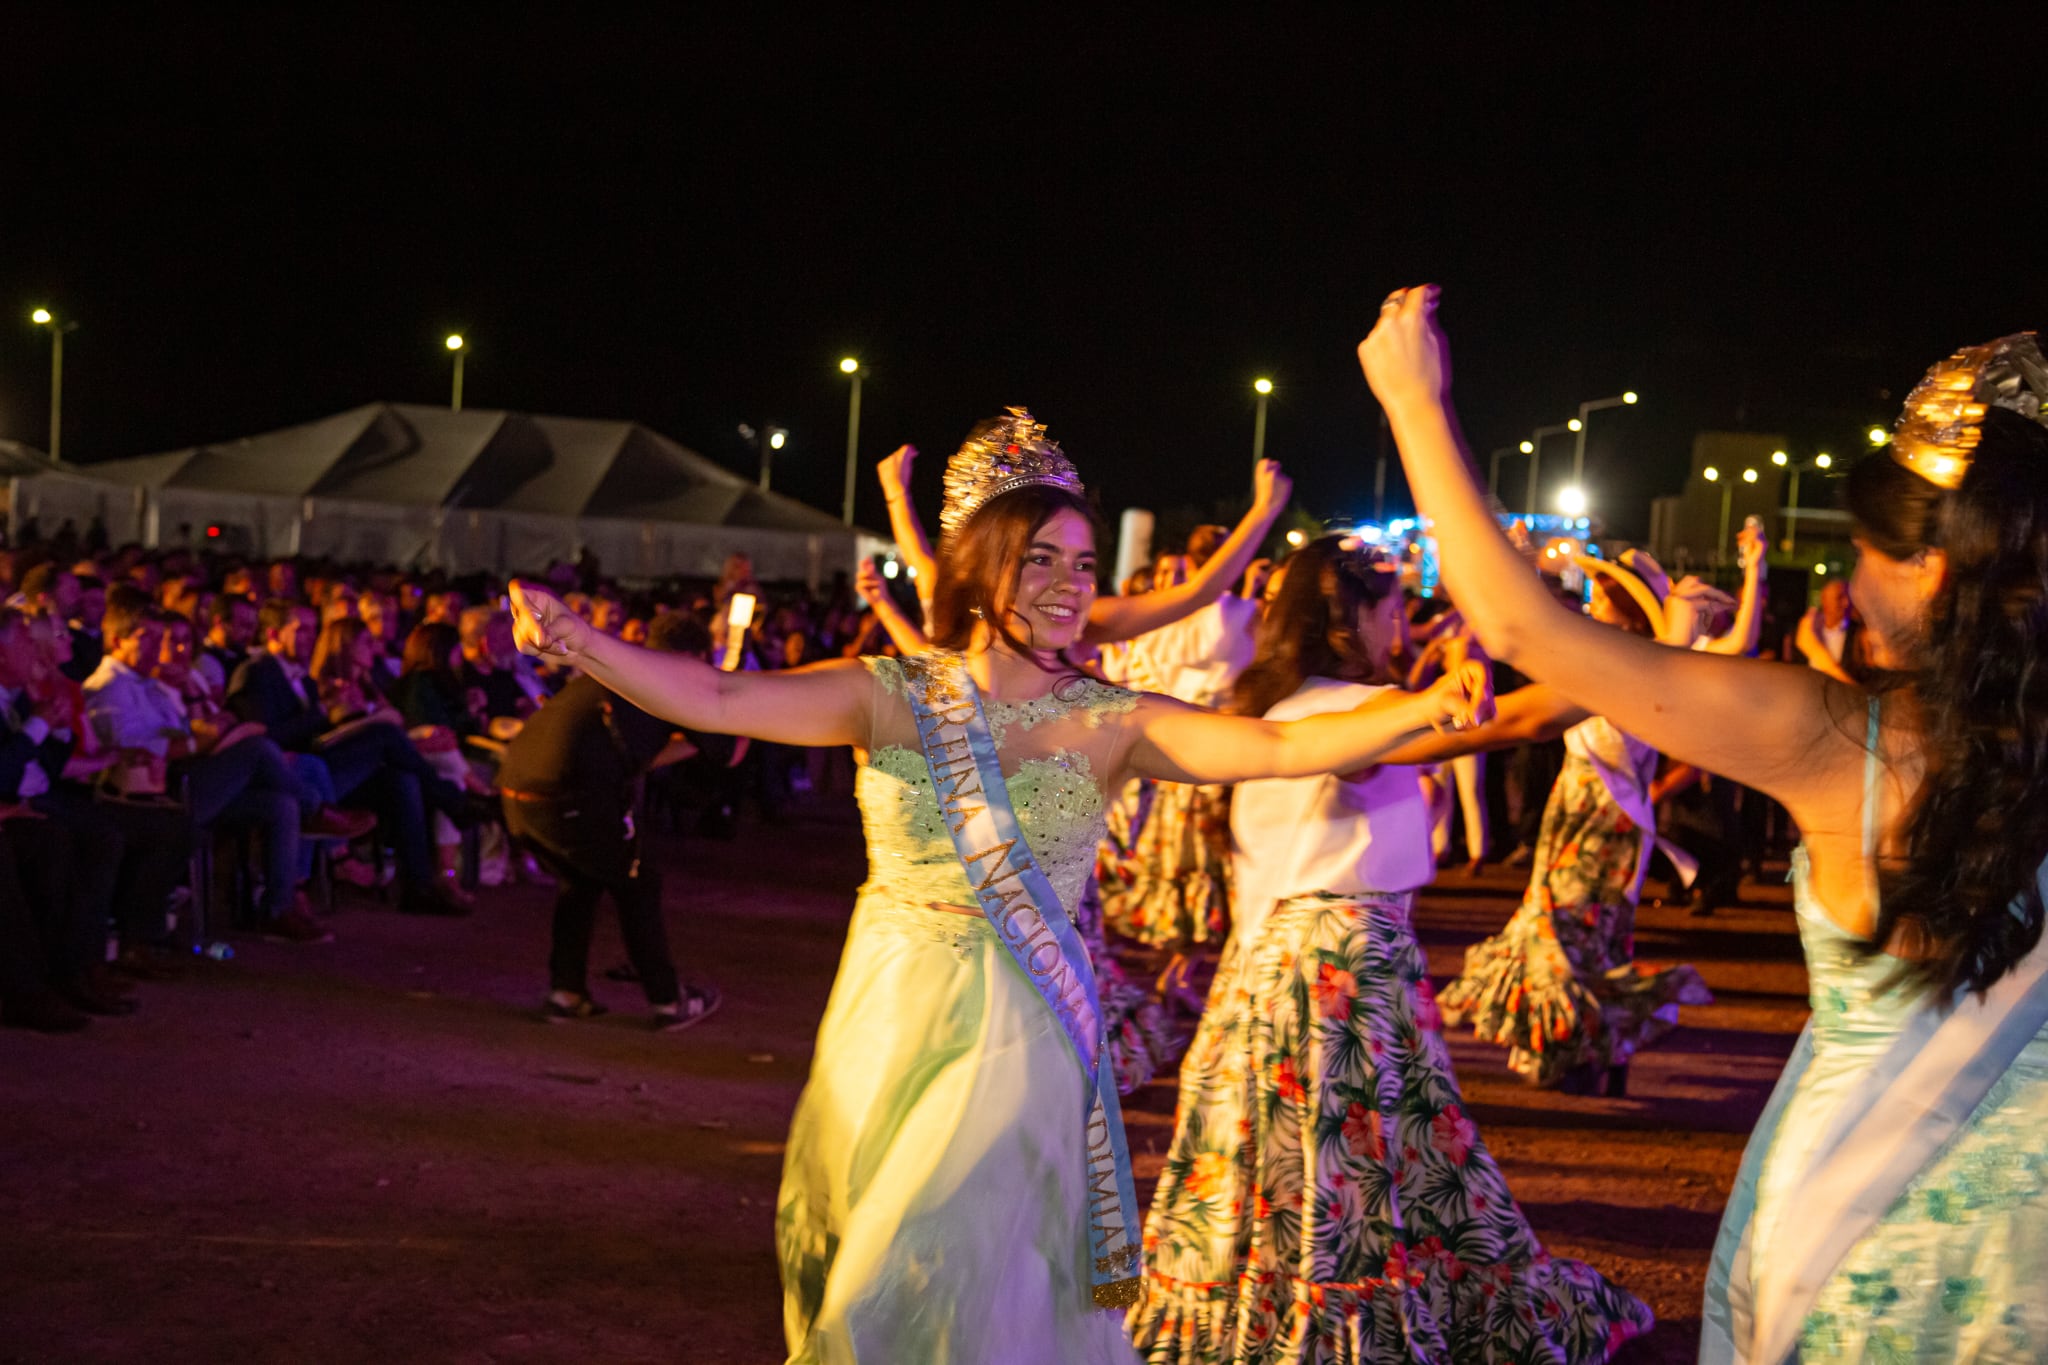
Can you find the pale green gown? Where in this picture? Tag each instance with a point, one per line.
(933, 1204)
(1956, 1266)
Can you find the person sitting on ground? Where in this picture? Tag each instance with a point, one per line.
(371, 761)
(570, 781)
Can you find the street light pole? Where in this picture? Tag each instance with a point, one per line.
(1821, 461)
(1533, 448)
(1264, 389)
(456, 344)
(43, 317)
(1493, 470)
(1586, 410)
(852, 368)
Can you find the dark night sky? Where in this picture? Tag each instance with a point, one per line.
(259, 220)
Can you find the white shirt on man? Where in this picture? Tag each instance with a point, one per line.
(1298, 835)
(130, 711)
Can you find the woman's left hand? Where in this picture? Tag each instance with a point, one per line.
(1406, 358)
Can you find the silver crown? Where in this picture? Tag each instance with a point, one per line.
(999, 456)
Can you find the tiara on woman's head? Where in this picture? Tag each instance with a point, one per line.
(1001, 455)
(1943, 420)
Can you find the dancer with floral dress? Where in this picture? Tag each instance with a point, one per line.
(956, 1186)
(1893, 1202)
(1327, 1197)
(1560, 986)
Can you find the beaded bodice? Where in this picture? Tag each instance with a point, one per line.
(1056, 752)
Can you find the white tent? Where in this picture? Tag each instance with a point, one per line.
(473, 490)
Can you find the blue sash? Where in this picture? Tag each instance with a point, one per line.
(1025, 912)
(1913, 1100)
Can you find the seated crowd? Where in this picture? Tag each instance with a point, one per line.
(157, 702)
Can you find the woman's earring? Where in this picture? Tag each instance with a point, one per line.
(975, 612)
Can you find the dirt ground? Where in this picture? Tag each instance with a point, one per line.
(374, 1151)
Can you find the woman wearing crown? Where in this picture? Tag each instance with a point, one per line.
(1893, 1202)
(957, 1186)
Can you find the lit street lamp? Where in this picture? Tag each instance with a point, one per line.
(43, 317)
(1586, 410)
(852, 368)
(455, 344)
(1264, 389)
(1533, 448)
(1572, 501)
(1821, 461)
(1713, 475)
(765, 441)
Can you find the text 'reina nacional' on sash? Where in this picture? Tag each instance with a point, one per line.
(1025, 912)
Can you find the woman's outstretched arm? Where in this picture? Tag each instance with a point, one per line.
(1120, 618)
(911, 541)
(819, 705)
(1761, 724)
(1175, 742)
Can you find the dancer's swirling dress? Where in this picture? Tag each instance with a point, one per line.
(1560, 986)
(1327, 1198)
(934, 1204)
(1956, 1266)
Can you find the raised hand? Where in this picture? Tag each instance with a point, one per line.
(1270, 486)
(1750, 545)
(543, 625)
(895, 470)
(867, 579)
(1406, 358)
(1689, 609)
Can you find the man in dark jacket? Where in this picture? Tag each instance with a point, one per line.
(372, 762)
(570, 781)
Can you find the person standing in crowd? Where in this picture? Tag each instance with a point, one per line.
(1888, 1205)
(1326, 1182)
(1172, 890)
(1829, 634)
(937, 1199)
(571, 782)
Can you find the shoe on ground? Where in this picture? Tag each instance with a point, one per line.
(42, 1010)
(356, 872)
(297, 926)
(698, 1004)
(1521, 857)
(441, 899)
(556, 1011)
(78, 992)
(332, 822)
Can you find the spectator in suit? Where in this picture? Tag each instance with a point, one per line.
(68, 854)
(370, 760)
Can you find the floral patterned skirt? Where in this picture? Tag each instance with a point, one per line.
(1172, 887)
(1327, 1199)
(1141, 1040)
(1559, 986)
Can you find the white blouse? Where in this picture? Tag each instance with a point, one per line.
(1293, 836)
